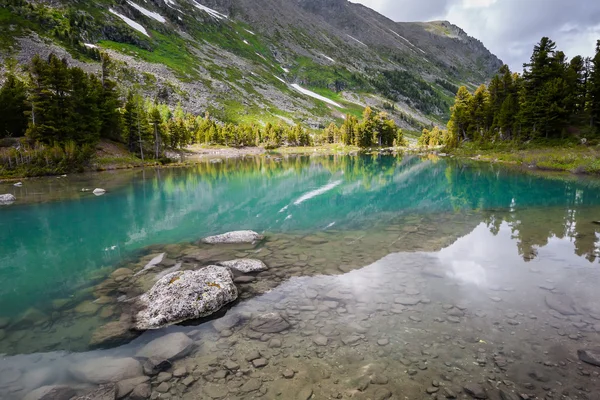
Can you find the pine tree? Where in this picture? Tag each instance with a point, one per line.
(109, 104)
(594, 89)
(13, 103)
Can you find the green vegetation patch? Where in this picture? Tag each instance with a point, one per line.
(170, 50)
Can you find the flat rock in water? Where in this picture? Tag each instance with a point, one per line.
(7, 198)
(153, 263)
(560, 304)
(591, 356)
(407, 301)
(105, 392)
(106, 370)
(126, 386)
(320, 340)
(229, 321)
(245, 265)
(236, 237)
(251, 386)
(506, 395)
(52, 392)
(475, 390)
(169, 347)
(185, 295)
(305, 393)
(112, 333)
(154, 365)
(269, 323)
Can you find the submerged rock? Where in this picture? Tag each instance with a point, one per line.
(127, 386)
(475, 390)
(185, 295)
(106, 370)
(104, 392)
(155, 365)
(245, 265)
(229, 321)
(32, 316)
(590, 356)
(269, 323)
(7, 198)
(236, 237)
(112, 333)
(152, 263)
(169, 347)
(52, 392)
(560, 304)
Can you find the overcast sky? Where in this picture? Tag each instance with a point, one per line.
(508, 28)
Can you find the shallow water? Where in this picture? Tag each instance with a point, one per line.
(395, 274)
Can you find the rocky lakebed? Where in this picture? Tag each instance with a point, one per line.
(409, 311)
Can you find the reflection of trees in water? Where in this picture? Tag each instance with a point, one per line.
(533, 228)
(536, 208)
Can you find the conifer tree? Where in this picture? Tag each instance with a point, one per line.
(594, 89)
(13, 103)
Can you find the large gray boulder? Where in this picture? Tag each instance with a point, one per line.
(245, 265)
(236, 237)
(7, 198)
(106, 370)
(185, 295)
(169, 347)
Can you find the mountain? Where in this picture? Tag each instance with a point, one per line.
(310, 61)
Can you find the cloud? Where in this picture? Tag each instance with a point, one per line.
(509, 28)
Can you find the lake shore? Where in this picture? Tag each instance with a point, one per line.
(576, 160)
(111, 158)
(579, 160)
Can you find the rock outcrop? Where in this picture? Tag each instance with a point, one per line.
(235, 237)
(185, 295)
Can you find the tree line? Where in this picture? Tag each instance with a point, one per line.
(554, 98)
(56, 106)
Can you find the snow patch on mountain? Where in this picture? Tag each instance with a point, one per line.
(147, 13)
(315, 95)
(130, 22)
(329, 58)
(355, 39)
(250, 32)
(210, 11)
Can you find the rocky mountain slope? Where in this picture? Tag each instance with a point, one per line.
(309, 61)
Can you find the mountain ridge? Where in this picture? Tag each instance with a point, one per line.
(239, 59)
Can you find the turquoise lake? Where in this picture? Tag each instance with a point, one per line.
(329, 221)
